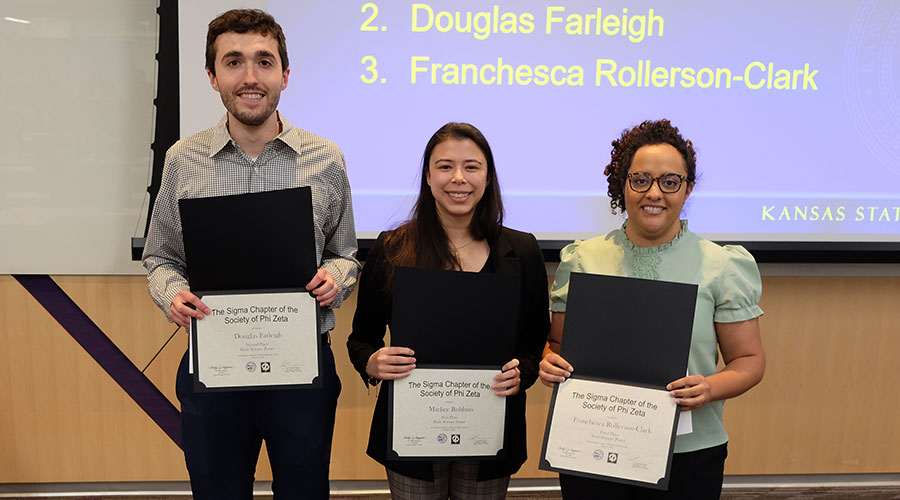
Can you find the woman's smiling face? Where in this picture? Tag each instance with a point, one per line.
(457, 175)
(654, 217)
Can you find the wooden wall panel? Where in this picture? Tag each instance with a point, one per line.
(536, 417)
(63, 418)
(828, 403)
(351, 433)
(829, 399)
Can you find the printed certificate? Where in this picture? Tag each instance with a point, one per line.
(620, 432)
(614, 420)
(441, 413)
(257, 340)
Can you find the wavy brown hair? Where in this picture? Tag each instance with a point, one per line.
(646, 134)
(421, 241)
(244, 21)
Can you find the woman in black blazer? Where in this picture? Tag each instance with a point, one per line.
(456, 224)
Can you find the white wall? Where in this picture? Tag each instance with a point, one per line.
(75, 131)
(196, 94)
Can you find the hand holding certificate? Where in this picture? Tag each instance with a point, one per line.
(448, 413)
(446, 406)
(257, 340)
(613, 430)
(614, 419)
(262, 329)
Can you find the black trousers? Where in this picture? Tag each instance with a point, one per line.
(222, 433)
(696, 475)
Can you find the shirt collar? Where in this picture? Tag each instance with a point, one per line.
(221, 138)
(289, 134)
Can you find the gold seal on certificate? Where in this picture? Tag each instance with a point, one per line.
(446, 413)
(613, 430)
(253, 340)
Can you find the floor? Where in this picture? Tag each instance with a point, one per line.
(814, 493)
(814, 487)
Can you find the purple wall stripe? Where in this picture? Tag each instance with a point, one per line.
(104, 352)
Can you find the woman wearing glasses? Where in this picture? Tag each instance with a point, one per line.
(651, 173)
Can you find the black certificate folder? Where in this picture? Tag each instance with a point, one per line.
(627, 338)
(455, 318)
(628, 329)
(249, 241)
(462, 327)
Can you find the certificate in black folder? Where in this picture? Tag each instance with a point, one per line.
(613, 419)
(462, 327)
(249, 257)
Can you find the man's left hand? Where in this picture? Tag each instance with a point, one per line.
(323, 287)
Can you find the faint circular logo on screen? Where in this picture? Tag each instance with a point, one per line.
(872, 78)
(251, 366)
(442, 438)
(598, 455)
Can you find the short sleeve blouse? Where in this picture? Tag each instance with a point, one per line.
(729, 290)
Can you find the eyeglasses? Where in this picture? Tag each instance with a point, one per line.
(641, 182)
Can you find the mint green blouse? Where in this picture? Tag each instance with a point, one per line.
(729, 292)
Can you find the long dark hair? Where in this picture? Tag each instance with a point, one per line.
(421, 241)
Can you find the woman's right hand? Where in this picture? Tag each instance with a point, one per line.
(391, 363)
(554, 369)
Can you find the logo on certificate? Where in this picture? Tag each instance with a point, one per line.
(251, 366)
(454, 439)
(442, 438)
(265, 367)
(598, 455)
(612, 458)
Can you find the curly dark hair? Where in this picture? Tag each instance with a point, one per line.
(244, 21)
(646, 134)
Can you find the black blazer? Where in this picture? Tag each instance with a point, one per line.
(513, 252)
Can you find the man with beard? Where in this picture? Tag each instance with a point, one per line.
(252, 149)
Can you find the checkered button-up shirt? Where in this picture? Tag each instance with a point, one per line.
(210, 163)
